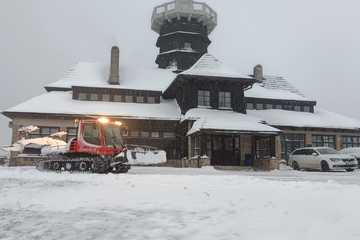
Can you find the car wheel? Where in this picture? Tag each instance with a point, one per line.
(324, 166)
(350, 170)
(295, 166)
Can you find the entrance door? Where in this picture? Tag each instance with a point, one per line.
(226, 151)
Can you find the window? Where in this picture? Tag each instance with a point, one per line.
(224, 99)
(324, 141)
(350, 141)
(259, 106)
(94, 97)
(117, 98)
(151, 99)
(278, 106)
(169, 135)
(112, 134)
(269, 106)
(91, 133)
(306, 109)
(195, 144)
(290, 142)
(297, 108)
(250, 106)
(83, 96)
(145, 134)
(139, 99)
(155, 134)
(263, 148)
(44, 132)
(288, 107)
(203, 98)
(129, 99)
(187, 46)
(106, 97)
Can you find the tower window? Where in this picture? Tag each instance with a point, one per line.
(173, 65)
(224, 99)
(203, 98)
(187, 46)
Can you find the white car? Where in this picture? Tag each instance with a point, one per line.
(322, 158)
(354, 151)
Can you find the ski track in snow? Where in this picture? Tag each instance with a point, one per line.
(166, 203)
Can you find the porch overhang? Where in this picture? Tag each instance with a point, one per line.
(233, 132)
(226, 122)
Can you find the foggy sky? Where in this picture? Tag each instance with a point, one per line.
(314, 44)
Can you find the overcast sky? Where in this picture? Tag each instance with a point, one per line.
(315, 44)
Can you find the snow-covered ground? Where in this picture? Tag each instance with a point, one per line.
(166, 203)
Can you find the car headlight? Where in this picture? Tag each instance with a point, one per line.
(335, 159)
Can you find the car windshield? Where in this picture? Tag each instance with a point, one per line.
(113, 135)
(327, 151)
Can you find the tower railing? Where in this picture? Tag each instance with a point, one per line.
(197, 10)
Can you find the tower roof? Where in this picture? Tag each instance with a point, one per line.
(183, 8)
(208, 65)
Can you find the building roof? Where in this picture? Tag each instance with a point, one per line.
(62, 103)
(209, 119)
(318, 119)
(275, 87)
(260, 91)
(93, 74)
(210, 66)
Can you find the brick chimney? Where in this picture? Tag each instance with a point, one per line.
(114, 78)
(259, 73)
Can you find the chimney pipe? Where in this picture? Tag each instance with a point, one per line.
(259, 73)
(114, 78)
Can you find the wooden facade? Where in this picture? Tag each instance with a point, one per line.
(182, 42)
(185, 89)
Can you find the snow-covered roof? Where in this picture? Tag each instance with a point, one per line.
(210, 119)
(319, 119)
(93, 74)
(208, 65)
(275, 87)
(62, 103)
(259, 91)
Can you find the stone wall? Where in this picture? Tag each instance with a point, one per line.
(195, 162)
(267, 164)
